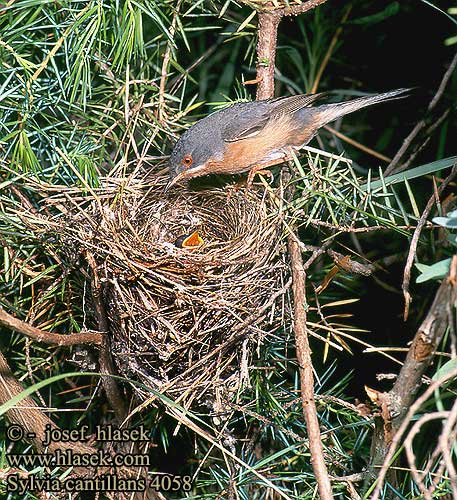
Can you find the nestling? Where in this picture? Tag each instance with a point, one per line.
(251, 136)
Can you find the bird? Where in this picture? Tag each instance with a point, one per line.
(252, 136)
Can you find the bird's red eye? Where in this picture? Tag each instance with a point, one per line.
(187, 161)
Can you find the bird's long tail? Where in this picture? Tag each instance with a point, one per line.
(330, 112)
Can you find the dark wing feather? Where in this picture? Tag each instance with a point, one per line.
(252, 117)
(288, 105)
(247, 120)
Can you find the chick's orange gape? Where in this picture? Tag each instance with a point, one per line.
(251, 136)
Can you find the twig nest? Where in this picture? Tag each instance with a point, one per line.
(189, 278)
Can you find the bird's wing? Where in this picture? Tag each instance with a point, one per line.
(288, 105)
(250, 118)
(247, 120)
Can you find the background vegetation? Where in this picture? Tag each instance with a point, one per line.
(93, 88)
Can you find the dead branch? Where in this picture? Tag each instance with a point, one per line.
(105, 361)
(427, 134)
(415, 240)
(306, 371)
(56, 339)
(33, 420)
(266, 51)
(29, 416)
(397, 402)
(397, 438)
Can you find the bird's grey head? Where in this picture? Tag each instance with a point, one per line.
(190, 156)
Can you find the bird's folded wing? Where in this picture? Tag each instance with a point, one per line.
(252, 117)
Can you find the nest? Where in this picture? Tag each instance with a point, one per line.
(183, 319)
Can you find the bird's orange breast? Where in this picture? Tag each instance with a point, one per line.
(278, 134)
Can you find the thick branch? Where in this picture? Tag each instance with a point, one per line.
(398, 401)
(34, 422)
(269, 20)
(421, 352)
(266, 53)
(28, 415)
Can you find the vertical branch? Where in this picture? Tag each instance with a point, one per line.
(306, 371)
(269, 20)
(106, 364)
(266, 53)
(30, 417)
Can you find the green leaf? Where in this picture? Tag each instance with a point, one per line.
(389, 11)
(452, 238)
(428, 168)
(435, 271)
(449, 222)
(448, 367)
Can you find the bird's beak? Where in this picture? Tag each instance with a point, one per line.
(174, 181)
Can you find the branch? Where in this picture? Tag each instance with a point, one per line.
(295, 10)
(105, 361)
(34, 333)
(393, 168)
(266, 53)
(34, 422)
(397, 402)
(30, 417)
(415, 240)
(269, 20)
(397, 439)
(306, 371)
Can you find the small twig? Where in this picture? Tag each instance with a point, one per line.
(317, 251)
(306, 371)
(393, 168)
(415, 241)
(46, 337)
(428, 134)
(165, 63)
(357, 144)
(330, 50)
